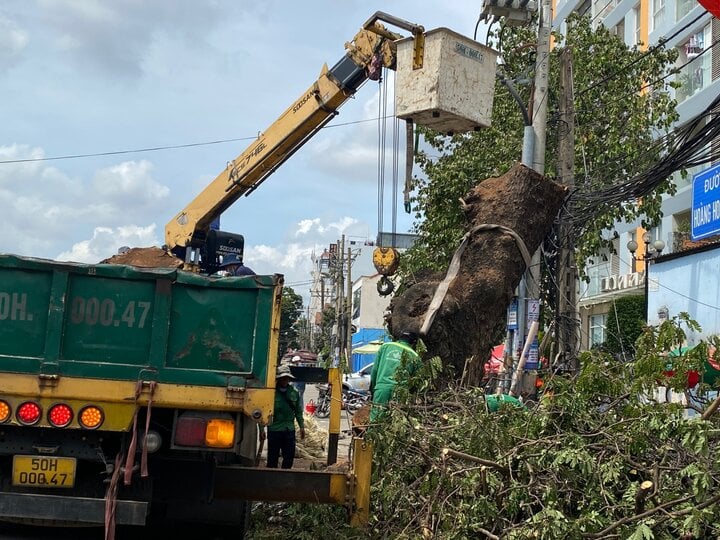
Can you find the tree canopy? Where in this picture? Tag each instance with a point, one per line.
(290, 312)
(622, 104)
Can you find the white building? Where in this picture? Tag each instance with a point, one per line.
(692, 31)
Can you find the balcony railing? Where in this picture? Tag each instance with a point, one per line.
(693, 77)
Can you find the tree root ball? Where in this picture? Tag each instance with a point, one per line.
(466, 325)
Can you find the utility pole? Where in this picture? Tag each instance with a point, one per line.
(539, 121)
(348, 309)
(566, 270)
(534, 139)
(340, 340)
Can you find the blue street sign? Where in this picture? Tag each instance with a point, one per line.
(512, 311)
(705, 217)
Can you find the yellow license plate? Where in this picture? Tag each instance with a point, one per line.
(42, 471)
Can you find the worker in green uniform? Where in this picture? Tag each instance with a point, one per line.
(281, 433)
(495, 401)
(382, 377)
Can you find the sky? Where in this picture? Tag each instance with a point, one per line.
(85, 77)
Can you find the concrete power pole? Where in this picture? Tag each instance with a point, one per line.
(534, 148)
(348, 310)
(566, 270)
(539, 121)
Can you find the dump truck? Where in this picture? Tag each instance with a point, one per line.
(126, 388)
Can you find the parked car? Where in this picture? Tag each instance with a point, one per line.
(358, 381)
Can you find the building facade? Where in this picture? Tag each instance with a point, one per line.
(692, 31)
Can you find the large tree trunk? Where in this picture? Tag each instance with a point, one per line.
(490, 269)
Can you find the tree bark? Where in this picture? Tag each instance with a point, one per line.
(490, 269)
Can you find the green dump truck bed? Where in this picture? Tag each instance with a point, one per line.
(124, 323)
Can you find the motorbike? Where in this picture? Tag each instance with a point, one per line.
(322, 408)
(352, 400)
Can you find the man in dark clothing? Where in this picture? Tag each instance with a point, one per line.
(281, 433)
(382, 377)
(233, 265)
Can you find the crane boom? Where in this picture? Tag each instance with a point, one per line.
(371, 48)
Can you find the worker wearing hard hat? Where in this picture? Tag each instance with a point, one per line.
(232, 264)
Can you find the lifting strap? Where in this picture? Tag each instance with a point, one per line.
(454, 268)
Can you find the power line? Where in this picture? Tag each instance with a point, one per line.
(159, 148)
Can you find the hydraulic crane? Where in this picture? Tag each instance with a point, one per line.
(188, 234)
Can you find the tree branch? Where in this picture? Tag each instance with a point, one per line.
(488, 463)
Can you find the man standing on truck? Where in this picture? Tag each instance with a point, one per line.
(233, 265)
(382, 377)
(281, 433)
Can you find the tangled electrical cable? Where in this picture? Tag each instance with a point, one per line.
(688, 146)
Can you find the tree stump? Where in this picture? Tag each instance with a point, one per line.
(490, 269)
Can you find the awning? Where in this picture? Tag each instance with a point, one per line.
(369, 348)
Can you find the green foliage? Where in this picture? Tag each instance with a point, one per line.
(300, 522)
(290, 312)
(625, 324)
(569, 467)
(323, 345)
(661, 349)
(616, 123)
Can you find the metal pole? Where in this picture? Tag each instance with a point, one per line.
(647, 283)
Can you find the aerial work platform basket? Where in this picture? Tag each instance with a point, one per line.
(453, 90)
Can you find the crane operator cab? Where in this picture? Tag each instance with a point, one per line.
(218, 246)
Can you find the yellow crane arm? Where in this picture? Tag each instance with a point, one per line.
(371, 48)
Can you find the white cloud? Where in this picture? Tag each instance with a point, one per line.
(44, 208)
(308, 226)
(130, 182)
(106, 241)
(13, 41)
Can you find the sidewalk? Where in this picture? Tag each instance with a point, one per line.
(320, 435)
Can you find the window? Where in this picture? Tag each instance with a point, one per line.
(598, 324)
(619, 30)
(696, 67)
(638, 36)
(357, 295)
(658, 13)
(600, 10)
(584, 8)
(683, 7)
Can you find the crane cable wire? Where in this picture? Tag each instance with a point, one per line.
(382, 135)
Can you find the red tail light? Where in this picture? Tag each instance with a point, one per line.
(190, 431)
(29, 413)
(60, 415)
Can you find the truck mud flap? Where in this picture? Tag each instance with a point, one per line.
(69, 509)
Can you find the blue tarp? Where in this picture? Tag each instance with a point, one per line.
(362, 337)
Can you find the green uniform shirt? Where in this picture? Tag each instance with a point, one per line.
(287, 410)
(382, 378)
(494, 402)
